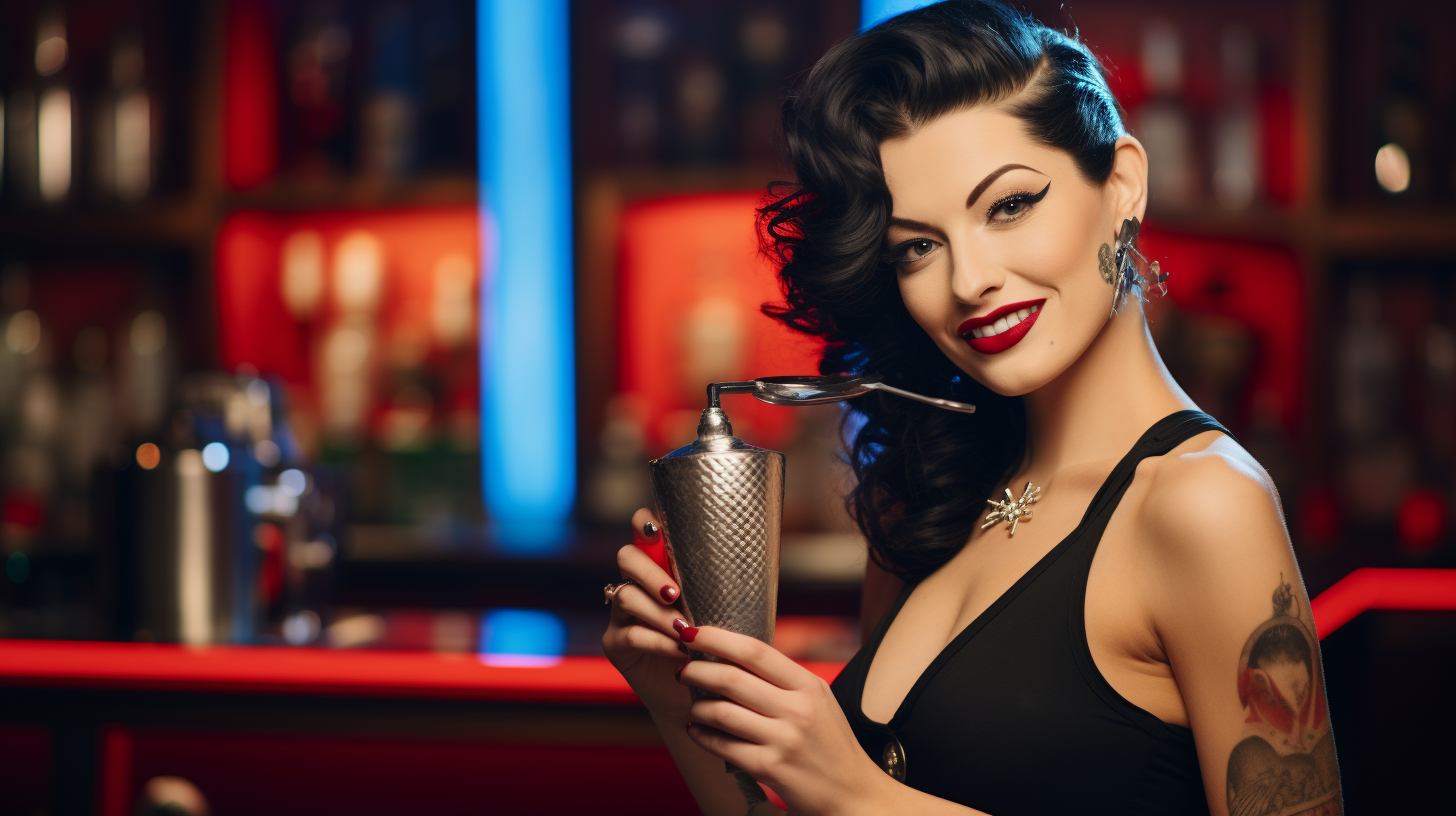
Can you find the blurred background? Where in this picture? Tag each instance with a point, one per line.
(351, 324)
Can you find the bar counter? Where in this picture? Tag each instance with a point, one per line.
(320, 731)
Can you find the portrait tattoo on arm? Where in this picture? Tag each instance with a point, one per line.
(1285, 766)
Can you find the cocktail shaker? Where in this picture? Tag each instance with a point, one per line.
(721, 501)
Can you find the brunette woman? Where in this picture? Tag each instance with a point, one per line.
(964, 225)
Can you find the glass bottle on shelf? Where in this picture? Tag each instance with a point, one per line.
(53, 110)
(1401, 127)
(123, 125)
(1236, 140)
(1164, 124)
(387, 130)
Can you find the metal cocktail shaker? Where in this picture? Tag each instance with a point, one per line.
(721, 503)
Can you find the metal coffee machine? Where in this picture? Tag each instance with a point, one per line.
(721, 503)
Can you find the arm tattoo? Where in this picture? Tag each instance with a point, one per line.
(1285, 766)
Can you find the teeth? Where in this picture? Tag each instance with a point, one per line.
(1004, 323)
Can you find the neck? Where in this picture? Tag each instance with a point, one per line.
(1098, 407)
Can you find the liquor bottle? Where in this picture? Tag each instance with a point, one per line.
(53, 109)
(1164, 124)
(1236, 141)
(387, 127)
(1401, 128)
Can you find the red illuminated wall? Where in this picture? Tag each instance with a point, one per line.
(688, 259)
(256, 328)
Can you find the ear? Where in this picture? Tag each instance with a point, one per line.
(1128, 183)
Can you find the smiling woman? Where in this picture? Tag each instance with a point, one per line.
(964, 225)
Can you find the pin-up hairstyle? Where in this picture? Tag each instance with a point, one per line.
(923, 474)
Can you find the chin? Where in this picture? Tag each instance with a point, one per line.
(1013, 376)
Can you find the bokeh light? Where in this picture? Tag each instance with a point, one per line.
(148, 455)
(215, 456)
(1393, 168)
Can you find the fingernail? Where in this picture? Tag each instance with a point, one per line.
(688, 634)
(668, 593)
(679, 625)
(649, 529)
(678, 674)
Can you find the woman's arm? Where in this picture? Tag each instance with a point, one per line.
(1234, 620)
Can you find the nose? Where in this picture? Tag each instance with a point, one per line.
(973, 278)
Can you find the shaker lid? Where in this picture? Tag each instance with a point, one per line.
(715, 434)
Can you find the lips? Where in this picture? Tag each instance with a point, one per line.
(1002, 328)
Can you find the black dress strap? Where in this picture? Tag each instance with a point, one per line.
(1167, 434)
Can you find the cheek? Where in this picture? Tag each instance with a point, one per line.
(925, 299)
(1057, 252)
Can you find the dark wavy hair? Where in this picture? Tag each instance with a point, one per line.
(923, 474)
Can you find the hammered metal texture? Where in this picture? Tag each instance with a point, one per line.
(721, 514)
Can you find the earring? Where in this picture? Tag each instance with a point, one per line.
(1123, 273)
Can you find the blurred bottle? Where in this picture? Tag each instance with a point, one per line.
(1164, 124)
(619, 481)
(53, 111)
(1401, 126)
(1237, 136)
(317, 118)
(641, 42)
(388, 123)
(123, 124)
(1365, 367)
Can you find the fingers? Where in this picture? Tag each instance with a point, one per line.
(640, 567)
(633, 600)
(734, 683)
(641, 638)
(736, 750)
(641, 519)
(752, 654)
(732, 719)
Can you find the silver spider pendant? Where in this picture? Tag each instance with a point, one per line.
(1012, 510)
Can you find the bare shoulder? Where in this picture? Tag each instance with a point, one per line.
(1210, 498)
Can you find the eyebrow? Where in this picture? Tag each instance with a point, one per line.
(991, 177)
(918, 226)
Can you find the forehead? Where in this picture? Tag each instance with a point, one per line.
(949, 155)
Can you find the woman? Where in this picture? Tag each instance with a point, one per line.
(1140, 643)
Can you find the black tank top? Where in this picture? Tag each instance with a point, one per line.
(1013, 717)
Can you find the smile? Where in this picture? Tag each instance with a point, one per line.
(1002, 328)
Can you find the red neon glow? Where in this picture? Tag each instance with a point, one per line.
(281, 670)
(1382, 588)
(250, 103)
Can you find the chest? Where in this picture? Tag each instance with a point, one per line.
(946, 604)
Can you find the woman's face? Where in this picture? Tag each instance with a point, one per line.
(995, 238)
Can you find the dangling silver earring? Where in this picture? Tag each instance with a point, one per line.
(1118, 268)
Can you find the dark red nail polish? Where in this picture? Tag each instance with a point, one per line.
(688, 634)
(679, 625)
(668, 593)
(678, 674)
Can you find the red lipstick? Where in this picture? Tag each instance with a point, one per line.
(1025, 312)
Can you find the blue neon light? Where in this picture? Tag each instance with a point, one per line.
(528, 389)
(521, 637)
(871, 12)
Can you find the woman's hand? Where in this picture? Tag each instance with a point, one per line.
(640, 639)
(780, 723)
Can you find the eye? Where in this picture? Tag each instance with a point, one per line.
(1014, 206)
(910, 252)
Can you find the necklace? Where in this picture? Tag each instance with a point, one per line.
(1012, 510)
